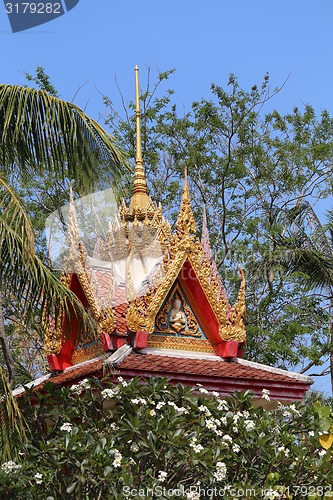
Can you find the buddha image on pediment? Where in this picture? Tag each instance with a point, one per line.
(177, 319)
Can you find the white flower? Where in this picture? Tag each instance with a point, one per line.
(114, 426)
(203, 391)
(221, 471)
(235, 448)
(249, 425)
(216, 394)
(311, 433)
(235, 429)
(197, 447)
(271, 494)
(205, 410)
(322, 453)
(282, 449)
(81, 386)
(137, 401)
(222, 406)
(192, 495)
(265, 394)
(219, 433)
(224, 420)
(227, 438)
(122, 381)
(76, 389)
(10, 467)
(210, 425)
(108, 393)
(162, 476)
(160, 405)
(117, 462)
(181, 409)
(117, 458)
(39, 478)
(67, 426)
(134, 447)
(246, 414)
(152, 413)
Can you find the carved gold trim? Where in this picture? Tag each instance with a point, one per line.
(181, 343)
(87, 353)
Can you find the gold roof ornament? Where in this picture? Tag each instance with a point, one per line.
(140, 199)
(185, 246)
(186, 223)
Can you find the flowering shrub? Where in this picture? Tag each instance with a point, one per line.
(157, 441)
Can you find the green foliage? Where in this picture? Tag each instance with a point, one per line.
(90, 442)
(12, 428)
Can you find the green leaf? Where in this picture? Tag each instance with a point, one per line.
(71, 487)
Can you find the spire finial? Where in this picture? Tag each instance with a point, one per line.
(186, 192)
(140, 197)
(139, 175)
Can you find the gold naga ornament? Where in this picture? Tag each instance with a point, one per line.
(100, 308)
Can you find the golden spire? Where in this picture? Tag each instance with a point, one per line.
(186, 223)
(140, 198)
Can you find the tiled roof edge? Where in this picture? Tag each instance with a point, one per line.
(212, 357)
(31, 385)
(272, 369)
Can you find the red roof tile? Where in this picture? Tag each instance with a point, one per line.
(150, 364)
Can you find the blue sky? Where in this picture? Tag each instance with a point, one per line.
(204, 41)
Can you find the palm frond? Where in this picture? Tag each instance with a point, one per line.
(12, 429)
(35, 287)
(40, 130)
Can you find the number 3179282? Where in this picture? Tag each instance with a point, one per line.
(33, 8)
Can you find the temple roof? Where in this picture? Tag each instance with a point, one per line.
(159, 304)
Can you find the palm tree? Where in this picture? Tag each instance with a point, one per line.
(38, 133)
(310, 251)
